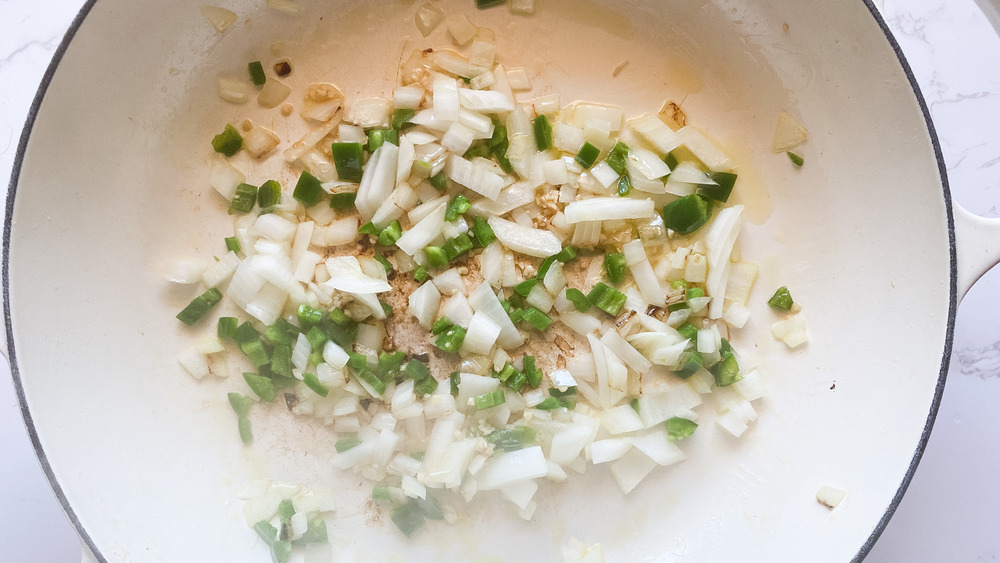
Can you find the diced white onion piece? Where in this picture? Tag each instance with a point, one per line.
(348, 133)
(426, 230)
(598, 133)
(513, 196)
(353, 457)
(471, 385)
(539, 298)
(742, 276)
(642, 272)
(369, 113)
(586, 112)
(290, 7)
(480, 125)
(483, 54)
(751, 387)
(187, 270)
(703, 147)
(603, 451)
(567, 138)
(732, 423)
(621, 420)
(788, 134)
(656, 133)
(428, 17)
(696, 268)
(631, 469)
(225, 177)
(518, 79)
(453, 464)
(720, 239)
(403, 199)
(334, 355)
(274, 227)
(662, 404)
(491, 264)
(446, 100)
(520, 493)
(501, 84)
(546, 105)
(526, 240)
(482, 299)
(555, 172)
(706, 341)
(450, 61)
(346, 275)
(220, 18)
(791, 331)
(458, 138)
(626, 352)
(319, 165)
(460, 28)
(458, 310)
(555, 279)
(609, 208)
(262, 507)
(245, 284)
(580, 322)
(216, 274)
(736, 314)
(450, 282)
(688, 172)
(587, 233)
(260, 141)
(604, 174)
(483, 81)
(273, 93)
(311, 138)
(512, 467)
(477, 178)
(194, 362)
(234, 90)
(481, 336)
(830, 497)
(523, 7)
(300, 352)
(378, 180)
(297, 525)
(341, 231)
(408, 97)
(485, 101)
(424, 303)
(647, 163)
(658, 447)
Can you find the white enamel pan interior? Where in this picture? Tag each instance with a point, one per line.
(110, 184)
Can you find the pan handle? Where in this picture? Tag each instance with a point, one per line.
(977, 244)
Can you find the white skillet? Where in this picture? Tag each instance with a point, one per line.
(110, 183)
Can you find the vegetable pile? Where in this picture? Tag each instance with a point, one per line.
(479, 295)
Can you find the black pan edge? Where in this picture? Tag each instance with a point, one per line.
(952, 289)
(22, 145)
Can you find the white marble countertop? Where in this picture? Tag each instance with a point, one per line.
(949, 512)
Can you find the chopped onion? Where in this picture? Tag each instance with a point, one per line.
(477, 178)
(224, 177)
(720, 239)
(485, 101)
(235, 90)
(425, 231)
(220, 18)
(526, 240)
(512, 467)
(218, 273)
(631, 469)
(609, 208)
(450, 61)
(424, 303)
(656, 133)
(626, 352)
(482, 299)
(428, 17)
(457, 310)
(378, 180)
(704, 148)
(273, 93)
(481, 336)
(791, 331)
